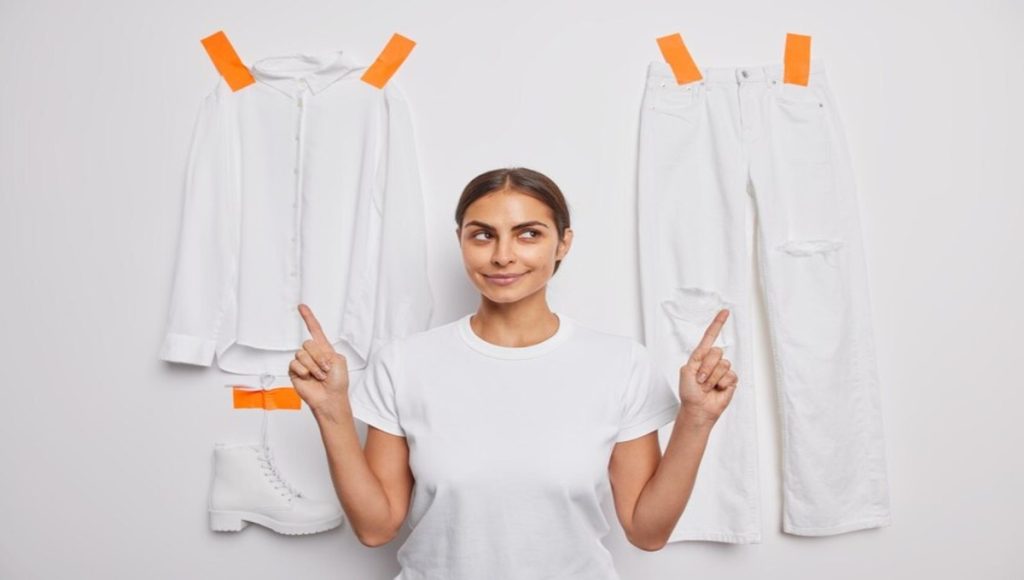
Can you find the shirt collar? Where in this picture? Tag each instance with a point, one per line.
(291, 73)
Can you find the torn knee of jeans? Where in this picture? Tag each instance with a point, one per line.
(695, 304)
(827, 249)
(810, 247)
(690, 311)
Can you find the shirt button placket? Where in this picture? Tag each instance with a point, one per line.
(297, 194)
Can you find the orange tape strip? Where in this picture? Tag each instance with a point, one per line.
(227, 62)
(797, 69)
(392, 57)
(271, 400)
(674, 50)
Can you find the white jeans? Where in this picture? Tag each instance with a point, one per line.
(705, 146)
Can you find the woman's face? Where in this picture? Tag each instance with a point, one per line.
(510, 244)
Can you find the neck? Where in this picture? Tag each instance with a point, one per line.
(515, 324)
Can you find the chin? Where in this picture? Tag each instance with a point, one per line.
(504, 299)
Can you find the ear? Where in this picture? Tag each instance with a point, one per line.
(564, 244)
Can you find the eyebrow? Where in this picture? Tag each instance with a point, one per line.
(515, 227)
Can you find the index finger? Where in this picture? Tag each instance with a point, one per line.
(313, 324)
(713, 330)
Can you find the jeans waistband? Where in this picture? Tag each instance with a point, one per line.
(757, 73)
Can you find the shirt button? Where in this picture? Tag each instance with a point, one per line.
(745, 74)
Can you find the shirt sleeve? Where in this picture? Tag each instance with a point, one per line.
(649, 401)
(373, 396)
(206, 239)
(404, 301)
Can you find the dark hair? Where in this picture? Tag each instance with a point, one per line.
(520, 179)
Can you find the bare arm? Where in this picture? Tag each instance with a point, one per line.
(373, 485)
(652, 491)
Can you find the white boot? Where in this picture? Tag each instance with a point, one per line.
(247, 487)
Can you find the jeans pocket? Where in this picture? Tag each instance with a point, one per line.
(672, 122)
(680, 101)
(804, 164)
(689, 313)
(799, 123)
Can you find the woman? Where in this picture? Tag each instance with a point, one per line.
(512, 421)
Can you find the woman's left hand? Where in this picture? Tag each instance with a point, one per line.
(706, 383)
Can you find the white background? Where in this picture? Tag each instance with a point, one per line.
(105, 450)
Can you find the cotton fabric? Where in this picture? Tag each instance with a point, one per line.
(303, 187)
(509, 446)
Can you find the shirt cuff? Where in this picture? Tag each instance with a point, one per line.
(181, 348)
(651, 423)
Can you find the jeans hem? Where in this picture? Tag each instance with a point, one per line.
(874, 522)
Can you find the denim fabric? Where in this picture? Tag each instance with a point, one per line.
(704, 147)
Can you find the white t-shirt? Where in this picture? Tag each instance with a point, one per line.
(509, 446)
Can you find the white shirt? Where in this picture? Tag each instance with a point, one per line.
(509, 446)
(301, 187)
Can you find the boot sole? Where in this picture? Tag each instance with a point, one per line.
(235, 521)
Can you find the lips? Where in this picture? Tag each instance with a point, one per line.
(504, 279)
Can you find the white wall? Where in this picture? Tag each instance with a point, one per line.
(105, 451)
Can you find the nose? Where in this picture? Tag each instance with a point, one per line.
(503, 253)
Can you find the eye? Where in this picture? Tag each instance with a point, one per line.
(484, 232)
(535, 232)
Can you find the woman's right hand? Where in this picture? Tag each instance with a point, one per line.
(318, 373)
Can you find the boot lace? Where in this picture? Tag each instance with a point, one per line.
(266, 458)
